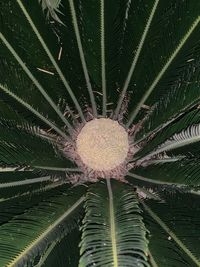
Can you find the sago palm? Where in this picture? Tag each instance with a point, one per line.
(100, 133)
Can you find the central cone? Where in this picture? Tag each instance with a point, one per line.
(102, 144)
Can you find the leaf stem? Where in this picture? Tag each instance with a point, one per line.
(25, 182)
(82, 57)
(112, 224)
(152, 260)
(136, 57)
(103, 63)
(142, 178)
(58, 169)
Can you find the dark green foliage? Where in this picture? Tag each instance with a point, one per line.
(39, 226)
(185, 171)
(181, 222)
(66, 252)
(64, 62)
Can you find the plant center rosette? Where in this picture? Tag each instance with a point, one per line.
(101, 148)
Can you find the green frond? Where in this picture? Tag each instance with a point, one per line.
(147, 182)
(108, 238)
(29, 234)
(17, 204)
(185, 171)
(176, 233)
(89, 26)
(163, 70)
(51, 57)
(38, 47)
(20, 183)
(134, 37)
(33, 191)
(180, 125)
(15, 183)
(179, 141)
(150, 10)
(32, 110)
(115, 12)
(63, 253)
(176, 160)
(169, 109)
(33, 79)
(82, 56)
(7, 113)
(103, 57)
(22, 148)
(173, 31)
(101, 28)
(160, 239)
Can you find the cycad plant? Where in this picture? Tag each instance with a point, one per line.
(99, 133)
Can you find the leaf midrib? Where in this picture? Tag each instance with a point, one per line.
(112, 224)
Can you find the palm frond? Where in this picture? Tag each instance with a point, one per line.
(28, 194)
(139, 46)
(101, 28)
(164, 51)
(32, 110)
(33, 79)
(64, 63)
(185, 171)
(17, 183)
(169, 109)
(115, 12)
(103, 57)
(63, 253)
(186, 121)
(180, 225)
(181, 140)
(38, 228)
(108, 239)
(169, 61)
(24, 149)
(89, 24)
(25, 182)
(17, 204)
(167, 246)
(52, 6)
(41, 56)
(8, 114)
(82, 57)
(147, 182)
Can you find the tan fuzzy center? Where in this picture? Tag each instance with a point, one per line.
(102, 144)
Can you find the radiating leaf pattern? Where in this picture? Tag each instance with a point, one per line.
(64, 63)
